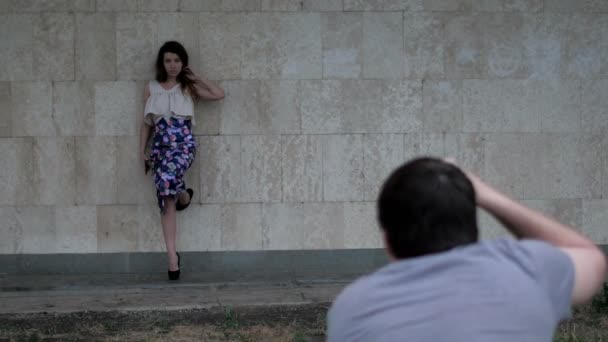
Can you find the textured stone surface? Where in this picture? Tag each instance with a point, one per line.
(220, 45)
(442, 106)
(383, 5)
(220, 168)
(303, 226)
(302, 168)
(260, 107)
(54, 47)
(342, 45)
(595, 216)
(32, 109)
(38, 229)
(74, 108)
(200, 228)
(241, 227)
(465, 56)
(17, 172)
(343, 168)
(381, 154)
(361, 229)
(95, 46)
(6, 126)
(286, 46)
(54, 178)
(260, 169)
(594, 105)
(76, 229)
(382, 45)
(424, 45)
(118, 105)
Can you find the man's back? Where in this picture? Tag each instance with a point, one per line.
(502, 290)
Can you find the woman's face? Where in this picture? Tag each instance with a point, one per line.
(173, 65)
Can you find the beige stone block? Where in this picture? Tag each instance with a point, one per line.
(361, 228)
(74, 108)
(382, 153)
(322, 5)
(220, 45)
(560, 106)
(150, 232)
(544, 44)
(54, 171)
(282, 5)
(424, 144)
(442, 106)
(383, 5)
(569, 6)
(567, 211)
(401, 108)
(96, 165)
(260, 107)
(510, 163)
(17, 53)
(383, 48)
(54, 47)
(136, 45)
(302, 168)
(200, 5)
(342, 45)
(133, 186)
(200, 228)
(595, 216)
(76, 229)
(362, 106)
(116, 5)
(38, 229)
(95, 46)
(523, 5)
(31, 109)
(17, 173)
(463, 5)
(241, 5)
(241, 227)
(208, 117)
(468, 150)
(489, 227)
(593, 163)
(502, 105)
(465, 56)
(5, 110)
(50, 5)
(158, 5)
(260, 169)
(303, 226)
(281, 45)
(424, 45)
(584, 46)
(503, 36)
(220, 168)
(11, 230)
(343, 167)
(594, 106)
(117, 228)
(562, 176)
(118, 105)
(321, 106)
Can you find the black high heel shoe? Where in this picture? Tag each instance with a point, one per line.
(174, 275)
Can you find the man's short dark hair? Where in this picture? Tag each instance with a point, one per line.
(427, 206)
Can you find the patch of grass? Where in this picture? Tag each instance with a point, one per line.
(600, 302)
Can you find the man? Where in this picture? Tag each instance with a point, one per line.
(444, 285)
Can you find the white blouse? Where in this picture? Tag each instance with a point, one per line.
(167, 103)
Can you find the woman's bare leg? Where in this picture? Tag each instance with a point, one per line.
(169, 223)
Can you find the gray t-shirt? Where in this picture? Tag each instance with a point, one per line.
(492, 291)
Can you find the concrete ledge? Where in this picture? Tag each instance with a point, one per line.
(342, 261)
(245, 264)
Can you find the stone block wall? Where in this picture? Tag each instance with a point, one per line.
(323, 100)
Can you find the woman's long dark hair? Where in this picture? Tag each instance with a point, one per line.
(185, 77)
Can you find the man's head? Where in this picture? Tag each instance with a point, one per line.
(427, 206)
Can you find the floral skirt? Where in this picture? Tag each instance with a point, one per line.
(173, 151)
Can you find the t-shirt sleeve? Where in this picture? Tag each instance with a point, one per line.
(551, 268)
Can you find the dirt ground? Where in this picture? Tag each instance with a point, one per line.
(273, 324)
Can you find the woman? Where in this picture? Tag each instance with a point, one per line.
(168, 118)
